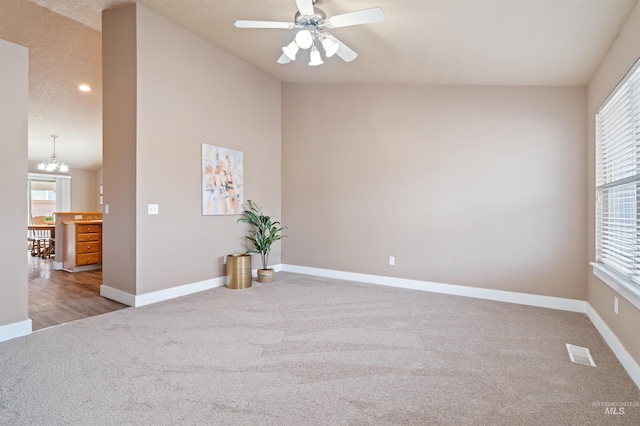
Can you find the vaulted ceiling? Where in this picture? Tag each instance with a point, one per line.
(452, 42)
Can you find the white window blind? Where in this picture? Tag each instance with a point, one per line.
(618, 178)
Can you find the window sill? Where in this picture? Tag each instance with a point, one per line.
(620, 284)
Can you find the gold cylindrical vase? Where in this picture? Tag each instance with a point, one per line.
(238, 271)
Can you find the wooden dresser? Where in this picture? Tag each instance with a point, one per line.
(82, 245)
(62, 217)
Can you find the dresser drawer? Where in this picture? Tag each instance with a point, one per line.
(88, 259)
(88, 237)
(90, 247)
(87, 229)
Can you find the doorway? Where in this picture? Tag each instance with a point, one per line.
(55, 296)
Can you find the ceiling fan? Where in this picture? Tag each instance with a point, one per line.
(312, 24)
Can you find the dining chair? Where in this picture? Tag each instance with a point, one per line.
(38, 220)
(41, 242)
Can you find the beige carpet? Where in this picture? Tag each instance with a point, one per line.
(314, 351)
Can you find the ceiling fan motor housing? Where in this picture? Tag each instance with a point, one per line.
(317, 19)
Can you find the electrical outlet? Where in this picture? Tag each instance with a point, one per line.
(106, 209)
(153, 208)
(615, 305)
(392, 260)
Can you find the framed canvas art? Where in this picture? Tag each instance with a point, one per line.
(222, 183)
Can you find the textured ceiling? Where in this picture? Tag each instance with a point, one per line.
(63, 54)
(487, 42)
(461, 42)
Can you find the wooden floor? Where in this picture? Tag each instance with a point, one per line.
(57, 297)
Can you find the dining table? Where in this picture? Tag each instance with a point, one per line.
(51, 228)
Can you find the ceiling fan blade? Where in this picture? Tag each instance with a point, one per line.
(366, 16)
(284, 59)
(344, 51)
(305, 7)
(264, 24)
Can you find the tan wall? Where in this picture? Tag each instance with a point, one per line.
(474, 186)
(189, 93)
(620, 58)
(13, 192)
(84, 190)
(119, 148)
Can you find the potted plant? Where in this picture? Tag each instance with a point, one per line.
(265, 232)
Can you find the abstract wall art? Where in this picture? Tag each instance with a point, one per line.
(222, 181)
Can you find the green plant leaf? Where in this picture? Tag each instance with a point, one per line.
(264, 232)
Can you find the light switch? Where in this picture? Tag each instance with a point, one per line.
(153, 208)
(106, 209)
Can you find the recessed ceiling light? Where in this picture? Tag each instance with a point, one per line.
(84, 88)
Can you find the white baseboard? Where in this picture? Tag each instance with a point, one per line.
(117, 295)
(160, 295)
(170, 293)
(559, 303)
(16, 329)
(616, 346)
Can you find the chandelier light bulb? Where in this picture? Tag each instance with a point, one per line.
(291, 49)
(304, 39)
(315, 58)
(330, 47)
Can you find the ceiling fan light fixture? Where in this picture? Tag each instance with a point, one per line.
(310, 22)
(315, 58)
(330, 46)
(291, 49)
(304, 39)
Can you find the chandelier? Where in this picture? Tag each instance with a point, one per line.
(53, 164)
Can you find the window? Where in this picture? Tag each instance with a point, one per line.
(42, 198)
(618, 180)
(48, 194)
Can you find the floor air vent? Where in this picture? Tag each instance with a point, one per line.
(580, 355)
